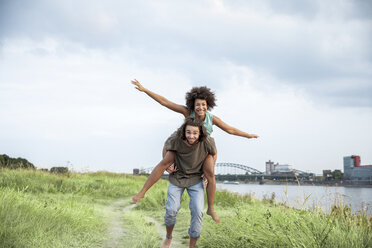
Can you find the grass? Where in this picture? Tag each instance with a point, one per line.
(247, 222)
(100, 184)
(140, 232)
(39, 209)
(47, 221)
(263, 225)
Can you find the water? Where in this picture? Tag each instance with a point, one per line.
(308, 196)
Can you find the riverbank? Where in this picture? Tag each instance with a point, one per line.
(306, 183)
(39, 209)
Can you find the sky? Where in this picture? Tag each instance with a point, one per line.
(296, 73)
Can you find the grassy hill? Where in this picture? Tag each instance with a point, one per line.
(40, 209)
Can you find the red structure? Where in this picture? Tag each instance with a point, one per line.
(357, 161)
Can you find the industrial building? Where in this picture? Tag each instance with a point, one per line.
(354, 171)
(270, 166)
(276, 170)
(273, 169)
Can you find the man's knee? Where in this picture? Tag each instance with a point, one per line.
(171, 212)
(197, 208)
(197, 212)
(170, 217)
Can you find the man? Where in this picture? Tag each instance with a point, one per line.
(187, 149)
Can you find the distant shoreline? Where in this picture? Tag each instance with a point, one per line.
(330, 184)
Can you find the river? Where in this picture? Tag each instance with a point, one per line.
(308, 196)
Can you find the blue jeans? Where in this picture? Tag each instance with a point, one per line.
(196, 205)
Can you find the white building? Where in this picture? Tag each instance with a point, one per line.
(272, 168)
(282, 168)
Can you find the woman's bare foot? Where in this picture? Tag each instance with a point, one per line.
(213, 215)
(167, 242)
(137, 197)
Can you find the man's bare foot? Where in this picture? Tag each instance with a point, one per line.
(213, 215)
(167, 242)
(137, 197)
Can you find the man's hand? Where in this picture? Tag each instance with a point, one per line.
(138, 85)
(137, 197)
(172, 169)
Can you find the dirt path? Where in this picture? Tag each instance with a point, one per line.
(162, 232)
(159, 228)
(116, 230)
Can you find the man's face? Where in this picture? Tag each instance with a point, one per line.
(192, 134)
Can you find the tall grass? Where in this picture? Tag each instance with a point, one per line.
(99, 184)
(247, 222)
(139, 231)
(39, 209)
(27, 221)
(263, 225)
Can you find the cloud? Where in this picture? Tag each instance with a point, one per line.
(291, 72)
(67, 95)
(292, 128)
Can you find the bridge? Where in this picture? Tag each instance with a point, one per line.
(235, 169)
(240, 172)
(224, 169)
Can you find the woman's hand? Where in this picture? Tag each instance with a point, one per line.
(205, 181)
(172, 169)
(253, 136)
(138, 85)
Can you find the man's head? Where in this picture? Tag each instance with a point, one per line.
(192, 131)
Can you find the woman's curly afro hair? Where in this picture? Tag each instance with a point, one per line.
(203, 93)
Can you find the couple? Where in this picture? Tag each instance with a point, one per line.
(193, 153)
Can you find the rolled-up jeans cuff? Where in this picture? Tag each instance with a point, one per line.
(194, 235)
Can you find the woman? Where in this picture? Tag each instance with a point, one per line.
(198, 101)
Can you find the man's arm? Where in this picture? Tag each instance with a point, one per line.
(155, 175)
(162, 100)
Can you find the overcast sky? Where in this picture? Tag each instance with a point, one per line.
(297, 73)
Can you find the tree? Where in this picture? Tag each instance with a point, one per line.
(14, 163)
(60, 170)
(337, 175)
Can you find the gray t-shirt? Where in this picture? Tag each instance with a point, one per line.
(189, 159)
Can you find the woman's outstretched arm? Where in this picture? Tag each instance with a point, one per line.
(162, 100)
(231, 130)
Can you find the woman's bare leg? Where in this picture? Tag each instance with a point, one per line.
(172, 168)
(155, 175)
(208, 170)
